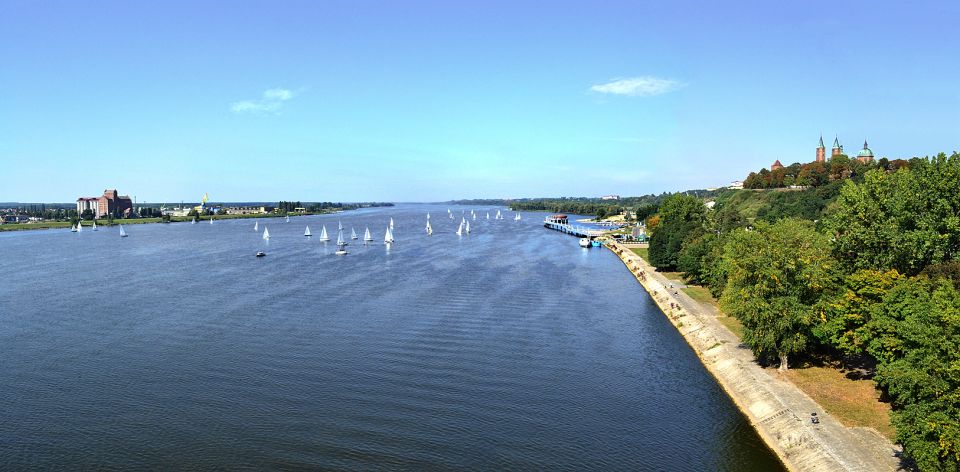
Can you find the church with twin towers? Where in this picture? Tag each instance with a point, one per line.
(865, 155)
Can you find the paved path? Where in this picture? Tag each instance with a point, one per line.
(777, 408)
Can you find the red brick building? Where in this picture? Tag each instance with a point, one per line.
(110, 203)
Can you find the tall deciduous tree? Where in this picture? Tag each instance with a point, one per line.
(905, 220)
(776, 275)
(680, 215)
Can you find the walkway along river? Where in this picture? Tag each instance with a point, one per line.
(777, 409)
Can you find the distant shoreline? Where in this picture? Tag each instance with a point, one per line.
(151, 220)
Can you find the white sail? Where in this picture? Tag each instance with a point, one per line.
(460, 229)
(498, 215)
(353, 233)
(256, 226)
(211, 220)
(123, 233)
(340, 240)
(429, 228)
(266, 233)
(467, 228)
(307, 232)
(391, 223)
(94, 225)
(488, 215)
(388, 236)
(339, 226)
(474, 217)
(193, 221)
(79, 227)
(366, 235)
(428, 216)
(323, 234)
(288, 218)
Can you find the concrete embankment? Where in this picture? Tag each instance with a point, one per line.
(778, 410)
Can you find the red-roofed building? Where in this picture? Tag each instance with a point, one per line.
(776, 165)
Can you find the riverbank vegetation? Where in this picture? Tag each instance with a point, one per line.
(860, 269)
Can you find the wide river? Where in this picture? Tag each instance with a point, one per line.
(508, 349)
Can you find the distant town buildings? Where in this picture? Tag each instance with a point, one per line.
(610, 197)
(110, 203)
(736, 185)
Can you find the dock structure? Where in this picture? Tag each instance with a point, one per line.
(562, 223)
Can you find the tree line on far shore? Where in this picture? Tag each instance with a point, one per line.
(861, 271)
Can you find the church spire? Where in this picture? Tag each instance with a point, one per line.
(821, 146)
(865, 144)
(836, 143)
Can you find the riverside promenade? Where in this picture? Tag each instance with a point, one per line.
(777, 409)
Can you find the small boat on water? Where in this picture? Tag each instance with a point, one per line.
(256, 226)
(307, 232)
(498, 217)
(94, 225)
(429, 228)
(341, 244)
(488, 215)
(261, 254)
(584, 242)
(516, 218)
(353, 233)
(596, 243)
(193, 221)
(266, 234)
(388, 236)
(467, 227)
(323, 234)
(366, 236)
(75, 229)
(288, 218)
(123, 233)
(211, 220)
(460, 229)
(391, 223)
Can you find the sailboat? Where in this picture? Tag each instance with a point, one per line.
(288, 218)
(467, 229)
(341, 244)
(94, 225)
(323, 234)
(79, 227)
(488, 215)
(123, 233)
(366, 236)
(211, 220)
(460, 229)
(391, 223)
(353, 233)
(266, 234)
(388, 236)
(516, 218)
(339, 226)
(474, 217)
(75, 229)
(193, 221)
(498, 217)
(256, 226)
(429, 228)
(307, 232)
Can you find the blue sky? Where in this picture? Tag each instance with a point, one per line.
(428, 101)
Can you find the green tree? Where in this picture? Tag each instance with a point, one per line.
(680, 215)
(776, 275)
(905, 220)
(846, 315)
(87, 214)
(918, 349)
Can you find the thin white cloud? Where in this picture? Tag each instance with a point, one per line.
(645, 86)
(271, 101)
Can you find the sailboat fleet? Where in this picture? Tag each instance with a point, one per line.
(464, 228)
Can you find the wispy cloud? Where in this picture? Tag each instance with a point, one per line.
(645, 86)
(271, 101)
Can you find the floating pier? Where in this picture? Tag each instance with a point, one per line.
(562, 223)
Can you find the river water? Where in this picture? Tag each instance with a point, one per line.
(510, 348)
